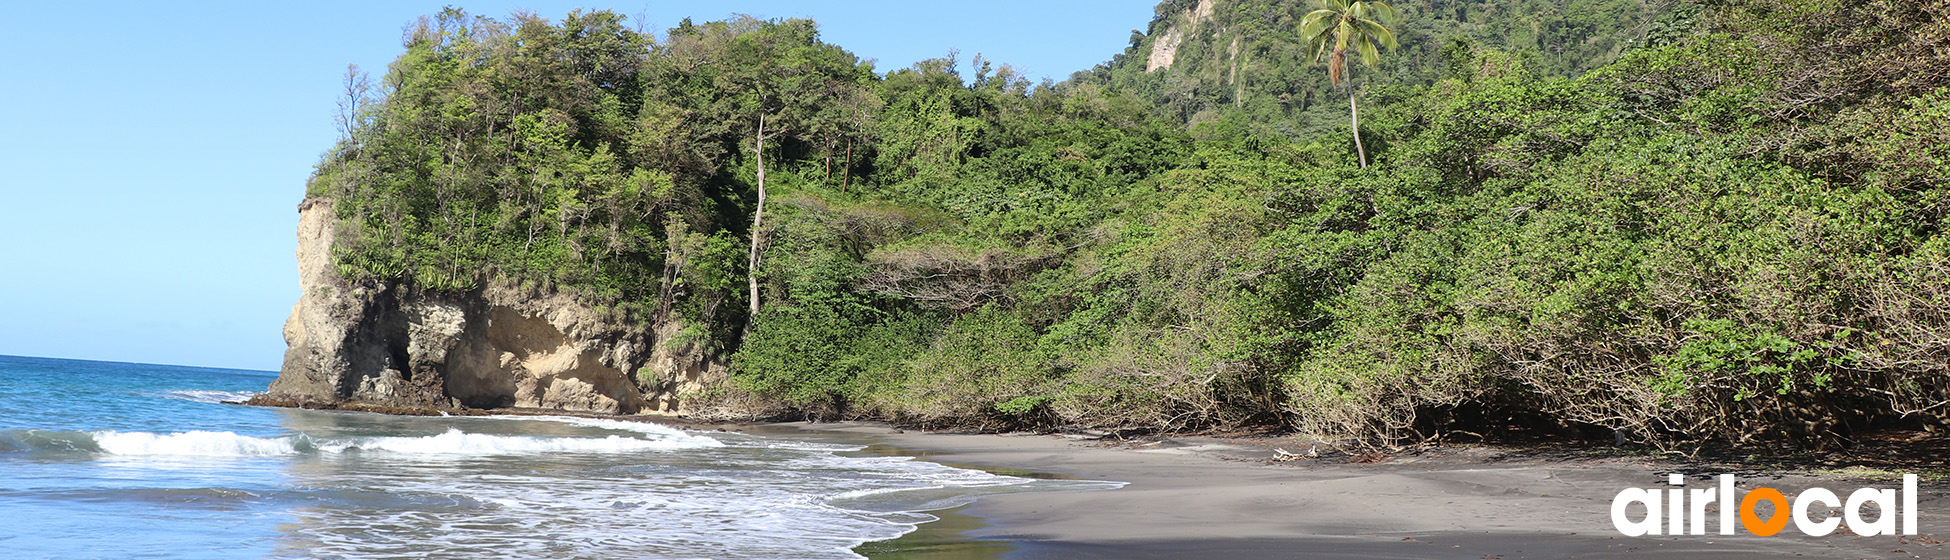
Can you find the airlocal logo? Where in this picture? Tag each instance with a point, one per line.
(1685, 510)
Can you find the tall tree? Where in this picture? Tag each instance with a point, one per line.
(1349, 26)
(767, 83)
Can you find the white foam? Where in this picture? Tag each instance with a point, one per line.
(453, 443)
(651, 428)
(192, 444)
(907, 468)
(456, 442)
(212, 397)
(858, 494)
(763, 502)
(797, 445)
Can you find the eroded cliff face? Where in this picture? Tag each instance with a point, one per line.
(1164, 50)
(386, 346)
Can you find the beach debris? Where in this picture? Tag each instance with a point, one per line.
(1282, 455)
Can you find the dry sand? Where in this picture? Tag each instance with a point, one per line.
(1222, 498)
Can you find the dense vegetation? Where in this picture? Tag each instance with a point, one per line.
(1245, 60)
(1715, 220)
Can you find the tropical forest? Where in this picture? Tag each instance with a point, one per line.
(1652, 221)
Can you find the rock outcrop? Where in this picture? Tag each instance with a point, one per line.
(1164, 50)
(379, 345)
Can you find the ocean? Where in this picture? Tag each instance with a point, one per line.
(119, 460)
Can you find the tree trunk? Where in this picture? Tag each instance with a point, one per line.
(846, 171)
(1354, 114)
(758, 220)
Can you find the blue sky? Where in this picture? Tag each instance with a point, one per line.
(152, 155)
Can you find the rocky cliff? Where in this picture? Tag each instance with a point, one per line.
(383, 345)
(1164, 49)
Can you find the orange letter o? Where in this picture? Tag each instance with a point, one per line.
(1752, 521)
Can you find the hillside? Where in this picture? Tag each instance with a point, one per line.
(1662, 222)
(1209, 60)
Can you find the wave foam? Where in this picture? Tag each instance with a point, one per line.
(193, 444)
(212, 397)
(666, 433)
(456, 442)
(453, 443)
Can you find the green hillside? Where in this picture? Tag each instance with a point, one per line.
(1670, 221)
(1204, 61)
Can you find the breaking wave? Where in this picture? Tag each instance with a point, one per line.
(456, 442)
(192, 444)
(453, 443)
(648, 428)
(212, 397)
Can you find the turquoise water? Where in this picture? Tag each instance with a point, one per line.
(115, 460)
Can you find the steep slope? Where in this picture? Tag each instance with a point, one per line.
(1205, 60)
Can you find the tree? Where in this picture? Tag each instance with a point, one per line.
(1356, 26)
(769, 83)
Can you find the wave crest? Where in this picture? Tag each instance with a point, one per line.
(193, 444)
(212, 397)
(452, 443)
(661, 431)
(456, 442)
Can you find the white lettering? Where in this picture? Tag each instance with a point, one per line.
(1885, 501)
(1676, 502)
(1809, 497)
(1727, 504)
(1650, 498)
(1701, 497)
(1666, 512)
(1909, 504)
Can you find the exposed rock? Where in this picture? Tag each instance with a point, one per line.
(373, 345)
(1164, 50)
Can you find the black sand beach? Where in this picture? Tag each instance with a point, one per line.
(1199, 497)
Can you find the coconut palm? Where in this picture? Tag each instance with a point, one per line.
(1356, 27)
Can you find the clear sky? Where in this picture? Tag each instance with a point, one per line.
(152, 154)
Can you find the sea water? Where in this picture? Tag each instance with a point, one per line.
(116, 460)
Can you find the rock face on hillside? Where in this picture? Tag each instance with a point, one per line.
(1164, 50)
(386, 346)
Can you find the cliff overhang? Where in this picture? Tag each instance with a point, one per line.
(384, 346)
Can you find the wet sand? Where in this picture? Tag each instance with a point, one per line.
(1224, 498)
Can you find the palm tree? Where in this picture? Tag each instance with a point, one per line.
(1349, 26)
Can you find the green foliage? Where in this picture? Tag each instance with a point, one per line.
(494, 152)
(1247, 59)
(793, 355)
(1718, 348)
(648, 377)
(1021, 407)
(1355, 27)
(1674, 220)
(986, 369)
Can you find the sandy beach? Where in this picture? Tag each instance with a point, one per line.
(1200, 497)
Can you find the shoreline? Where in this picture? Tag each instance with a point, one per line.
(1237, 497)
(1195, 497)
